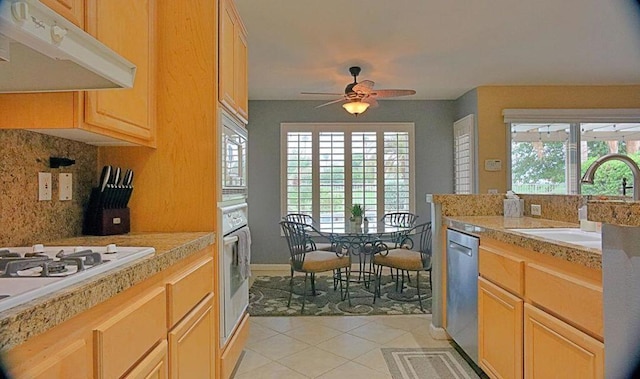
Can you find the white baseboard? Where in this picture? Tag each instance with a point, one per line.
(270, 267)
(438, 333)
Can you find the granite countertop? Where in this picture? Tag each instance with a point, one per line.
(616, 212)
(37, 316)
(497, 227)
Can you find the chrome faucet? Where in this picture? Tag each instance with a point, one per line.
(590, 173)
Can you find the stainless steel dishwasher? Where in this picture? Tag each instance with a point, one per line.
(462, 291)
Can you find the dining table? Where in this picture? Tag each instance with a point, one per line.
(362, 244)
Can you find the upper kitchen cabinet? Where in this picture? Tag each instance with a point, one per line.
(129, 112)
(106, 117)
(233, 60)
(72, 10)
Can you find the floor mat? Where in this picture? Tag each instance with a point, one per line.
(427, 363)
(269, 294)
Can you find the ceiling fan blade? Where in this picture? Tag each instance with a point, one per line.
(373, 103)
(392, 93)
(330, 102)
(321, 93)
(365, 86)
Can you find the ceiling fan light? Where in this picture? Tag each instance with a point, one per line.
(355, 107)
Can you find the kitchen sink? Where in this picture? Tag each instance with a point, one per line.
(568, 235)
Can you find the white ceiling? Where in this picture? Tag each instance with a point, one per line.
(440, 48)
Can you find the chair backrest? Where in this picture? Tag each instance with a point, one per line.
(422, 233)
(300, 218)
(298, 241)
(399, 219)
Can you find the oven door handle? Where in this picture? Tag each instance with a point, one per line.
(229, 240)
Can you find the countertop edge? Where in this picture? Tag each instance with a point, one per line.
(20, 323)
(584, 256)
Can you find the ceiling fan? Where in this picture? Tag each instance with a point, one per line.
(359, 96)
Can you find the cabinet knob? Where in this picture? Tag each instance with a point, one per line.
(20, 10)
(58, 33)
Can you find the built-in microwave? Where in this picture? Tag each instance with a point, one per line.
(234, 158)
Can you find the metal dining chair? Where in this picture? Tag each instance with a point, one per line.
(302, 218)
(399, 220)
(307, 259)
(401, 257)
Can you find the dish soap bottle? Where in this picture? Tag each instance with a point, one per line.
(366, 225)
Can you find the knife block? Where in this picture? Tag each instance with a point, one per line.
(100, 221)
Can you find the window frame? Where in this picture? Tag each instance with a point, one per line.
(347, 128)
(573, 117)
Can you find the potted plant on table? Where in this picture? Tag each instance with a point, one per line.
(357, 211)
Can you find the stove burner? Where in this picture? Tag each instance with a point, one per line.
(38, 264)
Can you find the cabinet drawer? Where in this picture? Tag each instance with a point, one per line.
(577, 301)
(187, 289)
(124, 338)
(502, 269)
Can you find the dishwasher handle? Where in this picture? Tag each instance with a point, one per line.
(458, 248)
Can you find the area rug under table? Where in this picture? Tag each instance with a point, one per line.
(269, 294)
(427, 363)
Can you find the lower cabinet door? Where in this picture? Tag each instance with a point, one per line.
(555, 349)
(69, 362)
(500, 331)
(191, 344)
(153, 366)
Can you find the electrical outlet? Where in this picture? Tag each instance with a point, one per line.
(44, 186)
(65, 186)
(536, 210)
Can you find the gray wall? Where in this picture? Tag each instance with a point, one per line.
(434, 157)
(466, 104)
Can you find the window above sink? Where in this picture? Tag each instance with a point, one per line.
(550, 149)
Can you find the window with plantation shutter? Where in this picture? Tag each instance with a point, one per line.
(330, 167)
(463, 159)
(299, 173)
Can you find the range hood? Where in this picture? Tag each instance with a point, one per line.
(41, 51)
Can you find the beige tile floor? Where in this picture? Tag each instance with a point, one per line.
(329, 346)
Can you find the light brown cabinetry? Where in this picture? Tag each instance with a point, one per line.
(192, 344)
(554, 349)
(153, 366)
(500, 331)
(128, 112)
(108, 117)
(72, 10)
(116, 349)
(538, 317)
(232, 62)
(67, 361)
(191, 322)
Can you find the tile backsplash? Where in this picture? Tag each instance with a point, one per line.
(23, 219)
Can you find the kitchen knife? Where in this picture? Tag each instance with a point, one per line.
(129, 191)
(104, 177)
(108, 196)
(125, 177)
(128, 178)
(116, 176)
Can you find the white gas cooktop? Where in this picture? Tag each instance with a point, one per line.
(27, 273)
